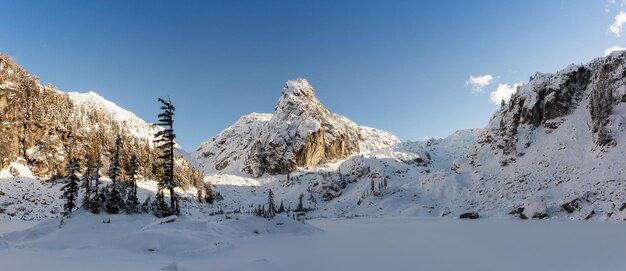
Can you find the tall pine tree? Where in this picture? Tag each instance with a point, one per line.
(132, 202)
(165, 142)
(86, 182)
(271, 206)
(114, 201)
(70, 189)
(95, 200)
(115, 168)
(300, 206)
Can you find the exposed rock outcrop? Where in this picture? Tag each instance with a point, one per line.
(561, 134)
(300, 133)
(43, 127)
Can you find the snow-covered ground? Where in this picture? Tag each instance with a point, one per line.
(84, 242)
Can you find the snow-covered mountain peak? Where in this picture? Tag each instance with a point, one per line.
(300, 133)
(299, 88)
(298, 101)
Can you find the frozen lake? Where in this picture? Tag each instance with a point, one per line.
(348, 244)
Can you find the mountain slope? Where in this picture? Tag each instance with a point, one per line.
(43, 127)
(560, 140)
(300, 133)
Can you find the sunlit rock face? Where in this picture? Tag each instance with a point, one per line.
(300, 133)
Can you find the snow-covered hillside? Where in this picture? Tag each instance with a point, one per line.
(559, 141)
(335, 179)
(43, 127)
(92, 102)
(556, 149)
(300, 133)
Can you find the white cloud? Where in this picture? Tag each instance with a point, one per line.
(616, 27)
(609, 3)
(478, 83)
(503, 92)
(608, 51)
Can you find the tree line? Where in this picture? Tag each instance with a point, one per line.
(120, 196)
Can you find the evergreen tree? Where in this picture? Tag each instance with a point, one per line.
(115, 170)
(209, 197)
(312, 199)
(200, 193)
(103, 198)
(114, 202)
(271, 206)
(159, 206)
(132, 202)
(372, 186)
(300, 206)
(165, 142)
(96, 201)
(70, 189)
(281, 208)
(86, 182)
(146, 207)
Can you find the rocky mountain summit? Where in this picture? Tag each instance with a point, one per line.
(300, 133)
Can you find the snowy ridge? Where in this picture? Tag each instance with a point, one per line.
(136, 126)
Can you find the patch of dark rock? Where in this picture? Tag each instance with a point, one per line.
(519, 212)
(571, 206)
(470, 215)
(590, 215)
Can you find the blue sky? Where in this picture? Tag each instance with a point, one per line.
(401, 66)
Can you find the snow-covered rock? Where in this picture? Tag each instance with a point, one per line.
(560, 137)
(43, 127)
(300, 133)
(535, 209)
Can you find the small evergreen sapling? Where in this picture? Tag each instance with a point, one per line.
(161, 209)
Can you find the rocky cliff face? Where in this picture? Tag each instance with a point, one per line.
(43, 127)
(300, 133)
(560, 137)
